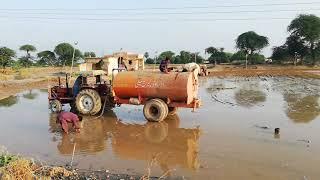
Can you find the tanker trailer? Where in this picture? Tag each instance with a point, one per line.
(160, 93)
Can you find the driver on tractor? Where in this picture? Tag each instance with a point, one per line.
(77, 86)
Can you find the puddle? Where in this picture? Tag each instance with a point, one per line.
(231, 136)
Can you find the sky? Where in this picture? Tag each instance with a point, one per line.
(106, 26)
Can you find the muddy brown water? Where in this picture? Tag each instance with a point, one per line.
(230, 137)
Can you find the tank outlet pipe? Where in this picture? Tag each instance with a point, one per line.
(134, 101)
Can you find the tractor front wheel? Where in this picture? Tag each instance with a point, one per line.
(88, 102)
(55, 106)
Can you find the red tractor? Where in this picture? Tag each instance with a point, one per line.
(83, 97)
(160, 93)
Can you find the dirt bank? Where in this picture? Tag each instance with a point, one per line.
(251, 71)
(17, 167)
(13, 87)
(14, 81)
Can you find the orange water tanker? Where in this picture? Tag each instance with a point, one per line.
(159, 92)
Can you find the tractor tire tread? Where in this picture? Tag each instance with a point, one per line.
(161, 107)
(96, 99)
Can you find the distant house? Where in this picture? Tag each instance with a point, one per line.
(98, 63)
(130, 61)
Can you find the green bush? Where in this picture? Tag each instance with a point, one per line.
(6, 159)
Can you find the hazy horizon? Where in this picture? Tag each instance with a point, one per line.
(105, 26)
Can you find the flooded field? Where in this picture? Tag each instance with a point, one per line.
(230, 137)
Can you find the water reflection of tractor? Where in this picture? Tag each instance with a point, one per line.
(166, 142)
(161, 94)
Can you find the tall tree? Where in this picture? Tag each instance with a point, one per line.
(47, 58)
(251, 42)
(28, 48)
(186, 57)
(211, 50)
(27, 59)
(280, 53)
(296, 48)
(146, 55)
(213, 54)
(292, 50)
(168, 54)
(307, 27)
(89, 54)
(238, 56)
(217, 56)
(197, 58)
(148, 59)
(6, 55)
(64, 52)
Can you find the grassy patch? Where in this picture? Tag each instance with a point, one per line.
(5, 159)
(24, 74)
(5, 77)
(16, 167)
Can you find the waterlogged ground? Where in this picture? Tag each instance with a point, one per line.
(230, 137)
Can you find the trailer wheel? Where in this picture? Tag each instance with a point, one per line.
(155, 110)
(166, 108)
(172, 111)
(88, 102)
(55, 106)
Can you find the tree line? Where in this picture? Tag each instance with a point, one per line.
(301, 46)
(249, 45)
(62, 55)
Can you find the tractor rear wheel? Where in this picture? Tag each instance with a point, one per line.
(88, 102)
(155, 110)
(55, 106)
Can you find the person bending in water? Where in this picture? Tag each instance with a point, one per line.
(68, 117)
